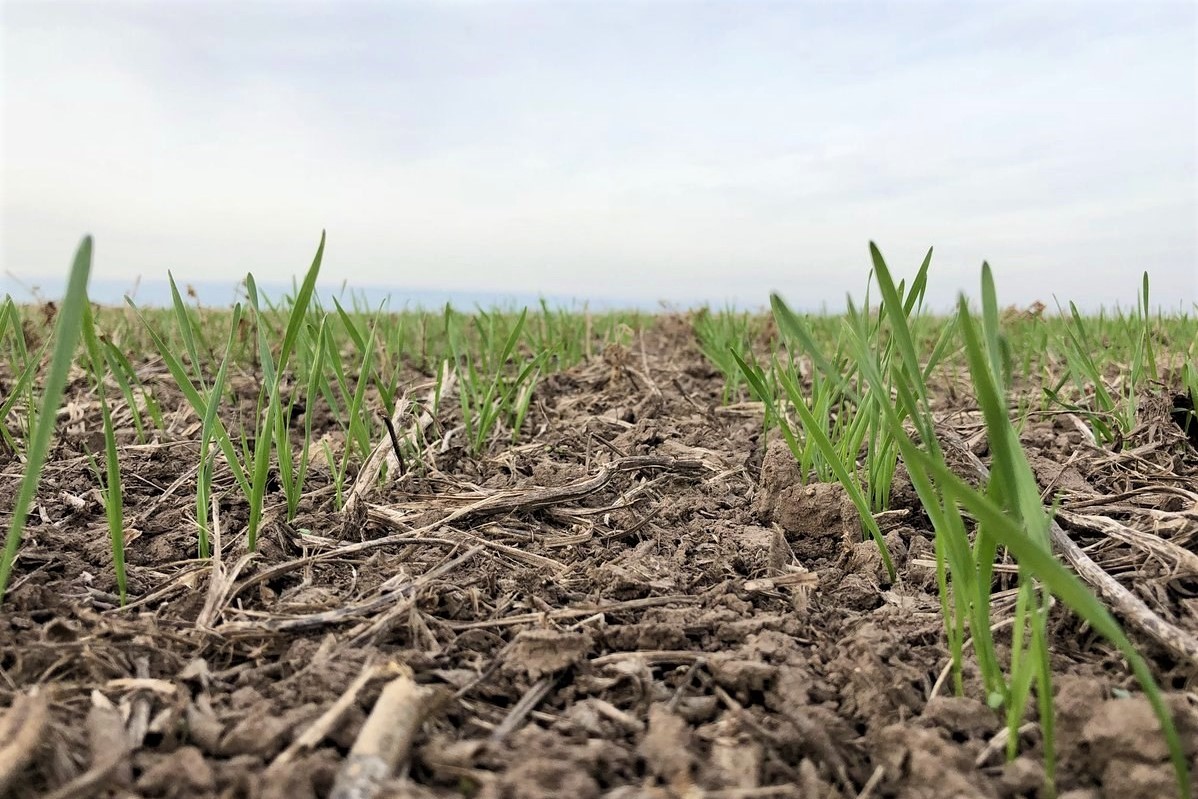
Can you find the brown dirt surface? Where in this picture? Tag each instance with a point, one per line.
(640, 601)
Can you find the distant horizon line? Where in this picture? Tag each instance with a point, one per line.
(155, 293)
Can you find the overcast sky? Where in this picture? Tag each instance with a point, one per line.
(629, 150)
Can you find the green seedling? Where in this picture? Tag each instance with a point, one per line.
(111, 483)
(273, 372)
(67, 328)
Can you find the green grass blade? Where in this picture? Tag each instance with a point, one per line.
(66, 337)
(918, 286)
(209, 431)
(1066, 587)
(186, 329)
(826, 448)
(350, 326)
(23, 382)
(113, 501)
(194, 398)
(300, 306)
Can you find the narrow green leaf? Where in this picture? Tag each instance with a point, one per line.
(66, 336)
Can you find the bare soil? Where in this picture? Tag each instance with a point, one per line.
(640, 600)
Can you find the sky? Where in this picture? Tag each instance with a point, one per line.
(632, 152)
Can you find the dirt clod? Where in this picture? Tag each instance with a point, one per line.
(819, 518)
